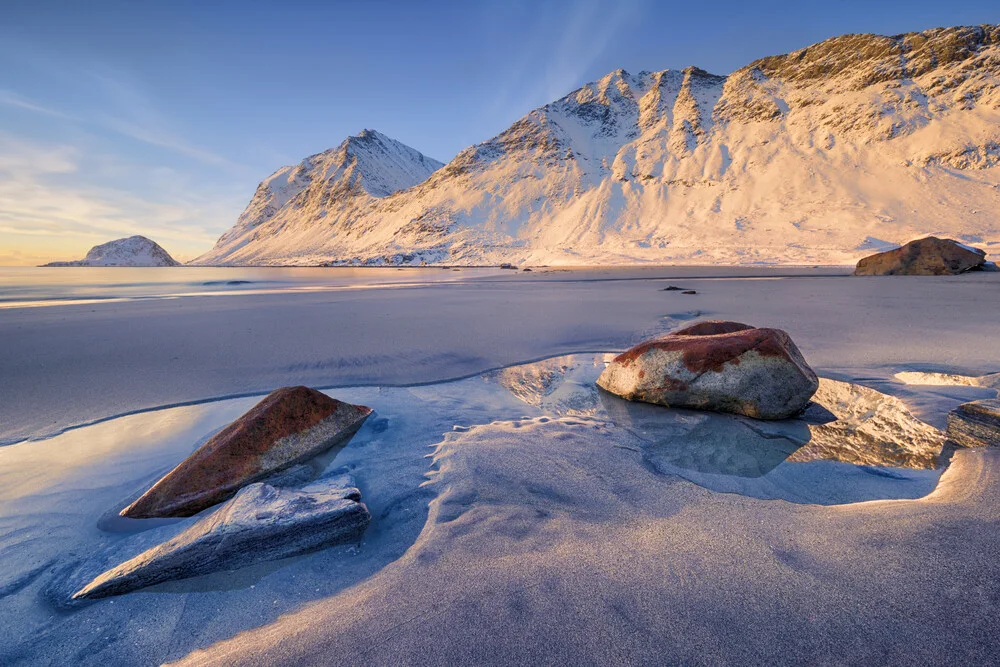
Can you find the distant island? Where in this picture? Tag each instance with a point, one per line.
(130, 251)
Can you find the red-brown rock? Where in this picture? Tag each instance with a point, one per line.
(289, 426)
(721, 366)
(928, 256)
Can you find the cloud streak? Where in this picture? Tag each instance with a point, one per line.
(12, 99)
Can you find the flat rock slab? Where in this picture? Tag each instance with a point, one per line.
(720, 366)
(928, 256)
(870, 429)
(289, 426)
(261, 523)
(975, 424)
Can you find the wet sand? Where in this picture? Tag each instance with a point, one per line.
(67, 365)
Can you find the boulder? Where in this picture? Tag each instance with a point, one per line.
(720, 366)
(975, 424)
(929, 256)
(291, 425)
(261, 523)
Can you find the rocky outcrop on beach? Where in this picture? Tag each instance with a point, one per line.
(261, 523)
(289, 426)
(975, 424)
(928, 256)
(133, 251)
(715, 365)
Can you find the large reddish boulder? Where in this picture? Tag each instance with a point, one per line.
(291, 425)
(720, 366)
(928, 256)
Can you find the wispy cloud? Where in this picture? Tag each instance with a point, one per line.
(12, 99)
(157, 136)
(137, 117)
(125, 110)
(561, 53)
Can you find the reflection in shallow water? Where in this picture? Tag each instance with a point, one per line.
(558, 386)
(852, 444)
(698, 441)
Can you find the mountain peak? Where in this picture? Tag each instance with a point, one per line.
(367, 165)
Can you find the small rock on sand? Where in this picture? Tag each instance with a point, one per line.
(290, 426)
(720, 366)
(690, 291)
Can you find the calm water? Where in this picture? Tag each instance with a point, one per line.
(22, 287)
(36, 286)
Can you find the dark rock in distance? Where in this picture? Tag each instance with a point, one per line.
(975, 424)
(928, 256)
(690, 291)
(261, 523)
(671, 288)
(715, 365)
(289, 426)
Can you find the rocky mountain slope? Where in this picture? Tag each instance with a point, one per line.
(856, 144)
(131, 251)
(299, 208)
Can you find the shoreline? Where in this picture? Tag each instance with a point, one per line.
(66, 365)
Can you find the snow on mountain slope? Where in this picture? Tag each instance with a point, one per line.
(130, 251)
(818, 156)
(296, 207)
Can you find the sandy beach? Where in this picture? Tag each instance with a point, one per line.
(96, 360)
(516, 520)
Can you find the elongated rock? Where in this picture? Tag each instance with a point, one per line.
(261, 523)
(975, 424)
(289, 426)
(720, 366)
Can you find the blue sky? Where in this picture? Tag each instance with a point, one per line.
(160, 118)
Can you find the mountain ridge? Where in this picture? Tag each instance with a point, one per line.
(856, 143)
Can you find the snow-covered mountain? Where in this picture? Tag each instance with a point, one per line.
(298, 209)
(826, 154)
(130, 251)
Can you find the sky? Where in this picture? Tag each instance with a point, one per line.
(121, 117)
